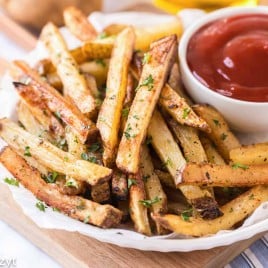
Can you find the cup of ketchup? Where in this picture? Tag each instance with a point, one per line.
(224, 62)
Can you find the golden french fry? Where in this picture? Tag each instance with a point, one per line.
(74, 84)
(234, 212)
(119, 185)
(220, 133)
(104, 216)
(154, 75)
(109, 116)
(78, 24)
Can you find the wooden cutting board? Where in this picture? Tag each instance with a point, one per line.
(71, 249)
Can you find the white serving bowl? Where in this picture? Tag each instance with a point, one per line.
(243, 116)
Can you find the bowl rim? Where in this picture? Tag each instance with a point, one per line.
(192, 29)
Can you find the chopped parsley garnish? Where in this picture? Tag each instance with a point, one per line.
(136, 117)
(146, 177)
(88, 158)
(41, 206)
(56, 209)
(223, 136)
(168, 162)
(71, 183)
(146, 58)
(100, 62)
(50, 177)
(148, 203)
(57, 114)
(102, 35)
(131, 182)
(251, 197)
(11, 181)
(127, 132)
(186, 214)
(149, 82)
(238, 165)
(27, 151)
(94, 147)
(87, 218)
(186, 112)
(149, 140)
(216, 122)
(125, 112)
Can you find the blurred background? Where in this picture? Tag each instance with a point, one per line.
(34, 16)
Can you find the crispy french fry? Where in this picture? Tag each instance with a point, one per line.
(104, 216)
(109, 116)
(178, 108)
(220, 133)
(101, 193)
(153, 188)
(31, 124)
(212, 154)
(74, 84)
(33, 100)
(165, 178)
(234, 212)
(119, 185)
(189, 141)
(138, 211)
(255, 154)
(51, 156)
(225, 175)
(78, 24)
(153, 77)
(68, 113)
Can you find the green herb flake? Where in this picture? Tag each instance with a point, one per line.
(92, 159)
(101, 62)
(87, 218)
(145, 177)
(223, 136)
(168, 162)
(127, 132)
(136, 117)
(71, 183)
(146, 58)
(27, 151)
(50, 177)
(186, 214)
(251, 197)
(216, 122)
(102, 35)
(186, 112)
(149, 82)
(11, 181)
(41, 206)
(149, 140)
(148, 203)
(56, 209)
(94, 147)
(131, 182)
(84, 156)
(125, 112)
(238, 165)
(57, 114)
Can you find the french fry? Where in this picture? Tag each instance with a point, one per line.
(255, 154)
(220, 133)
(234, 211)
(119, 185)
(56, 103)
(104, 216)
(138, 211)
(78, 24)
(154, 74)
(31, 124)
(178, 108)
(109, 116)
(153, 188)
(165, 178)
(235, 175)
(51, 156)
(33, 100)
(74, 84)
(189, 141)
(101, 193)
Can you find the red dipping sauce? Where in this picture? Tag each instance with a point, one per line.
(230, 56)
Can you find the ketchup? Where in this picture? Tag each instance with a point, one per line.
(230, 56)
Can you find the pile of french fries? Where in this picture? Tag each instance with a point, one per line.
(107, 135)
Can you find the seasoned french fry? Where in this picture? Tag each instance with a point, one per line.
(212, 154)
(189, 141)
(220, 133)
(109, 116)
(234, 212)
(74, 84)
(101, 193)
(225, 175)
(78, 24)
(31, 124)
(33, 99)
(255, 154)
(153, 188)
(68, 113)
(104, 216)
(178, 108)
(154, 74)
(51, 156)
(165, 178)
(119, 185)
(137, 205)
